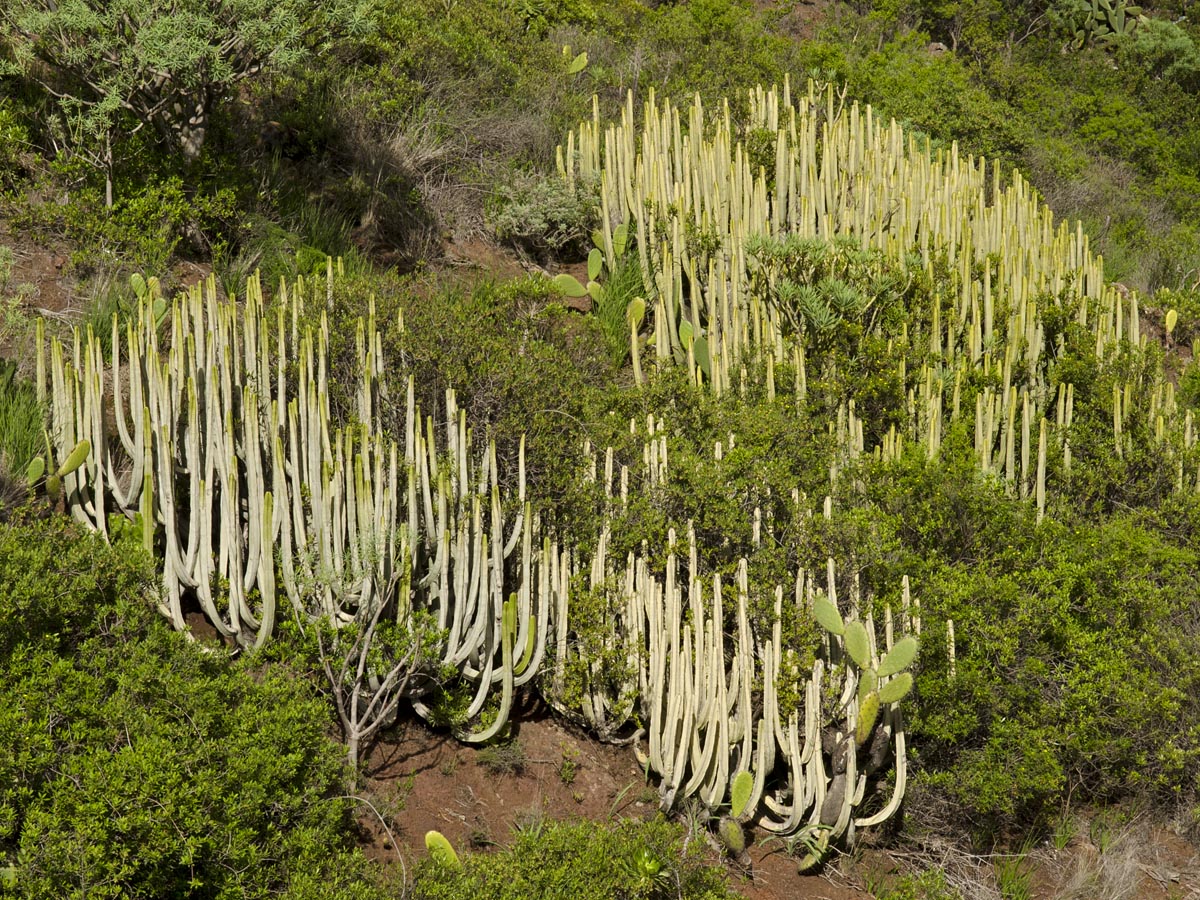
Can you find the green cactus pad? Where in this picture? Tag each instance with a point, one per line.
(701, 352)
(75, 460)
(35, 470)
(595, 264)
(827, 615)
(868, 683)
(636, 311)
(53, 486)
(899, 657)
(569, 285)
(1172, 320)
(739, 793)
(441, 850)
(732, 836)
(578, 64)
(896, 689)
(685, 333)
(858, 645)
(868, 712)
(620, 239)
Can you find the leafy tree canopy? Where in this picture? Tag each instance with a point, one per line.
(164, 62)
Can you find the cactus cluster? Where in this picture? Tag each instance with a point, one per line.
(219, 444)
(1101, 21)
(721, 709)
(741, 269)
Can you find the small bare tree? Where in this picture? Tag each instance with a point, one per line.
(369, 666)
(373, 646)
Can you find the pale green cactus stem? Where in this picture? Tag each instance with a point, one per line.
(508, 635)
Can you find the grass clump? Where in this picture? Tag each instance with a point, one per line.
(21, 422)
(503, 758)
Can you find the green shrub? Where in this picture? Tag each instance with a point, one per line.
(927, 885)
(135, 764)
(146, 225)
(1076, 670)
(544, 217)
(586, 860)
(1160, 49)
(15, 145)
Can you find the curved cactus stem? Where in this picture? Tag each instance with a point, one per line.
(507, 634)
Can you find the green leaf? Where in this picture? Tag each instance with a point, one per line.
(899, 657)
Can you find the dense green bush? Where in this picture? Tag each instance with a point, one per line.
(1077, 671)
(544, 217)
(134, 763)
(519, 362)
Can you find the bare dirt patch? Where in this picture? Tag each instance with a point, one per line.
(422, 780)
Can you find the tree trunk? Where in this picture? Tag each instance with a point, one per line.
(186, 124)
(108, 171)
